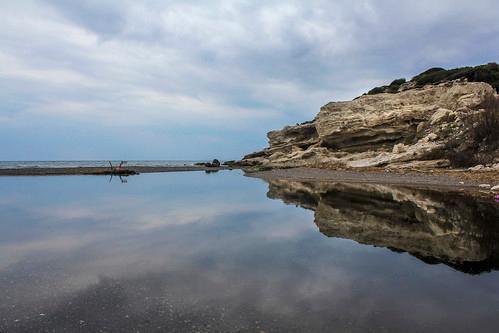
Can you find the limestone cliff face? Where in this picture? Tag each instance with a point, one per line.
(412, 127)
(454, 229)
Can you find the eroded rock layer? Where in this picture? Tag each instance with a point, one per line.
(420, 126)
(454, 229)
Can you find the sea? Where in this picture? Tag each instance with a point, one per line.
(93, 163)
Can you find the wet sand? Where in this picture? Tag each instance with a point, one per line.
(101, 170)
(448, 180)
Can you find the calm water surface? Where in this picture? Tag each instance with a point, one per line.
(196, 252)
(90, 163)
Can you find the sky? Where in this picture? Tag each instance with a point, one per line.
(188, 79)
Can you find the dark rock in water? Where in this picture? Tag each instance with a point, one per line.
(230, 162)
(214, 164)
(206, 164)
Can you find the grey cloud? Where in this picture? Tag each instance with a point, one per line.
(267, 63)
(102, 17)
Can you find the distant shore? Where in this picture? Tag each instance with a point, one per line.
(100, 171)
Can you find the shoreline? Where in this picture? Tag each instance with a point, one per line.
(456, 181)
(104, 171)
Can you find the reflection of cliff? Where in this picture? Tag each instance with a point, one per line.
(457, 230)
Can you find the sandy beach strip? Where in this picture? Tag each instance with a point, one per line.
(447, 181)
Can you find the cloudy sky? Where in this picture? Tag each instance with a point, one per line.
(94, 79)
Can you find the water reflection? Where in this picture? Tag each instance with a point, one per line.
(123, 179)
(458, 230)
(194, 252)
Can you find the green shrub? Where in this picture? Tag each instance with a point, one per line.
(398, 82)
(485, 73)
(377, 90)
(392, 88)
(430, 71)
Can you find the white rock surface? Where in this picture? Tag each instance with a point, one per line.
(405, 128)
(476, 167)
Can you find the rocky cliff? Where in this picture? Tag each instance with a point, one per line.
(454, 229)
(453, 123)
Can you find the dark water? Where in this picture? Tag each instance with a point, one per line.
(195, 252)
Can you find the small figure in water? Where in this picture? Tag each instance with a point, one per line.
(120, 166)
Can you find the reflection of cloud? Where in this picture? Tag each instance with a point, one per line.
(126, 237)
(71, 226)
(182, 250)
(4, 201)
(142, 214)
(187, 216)
(15, 252)
(181, 258)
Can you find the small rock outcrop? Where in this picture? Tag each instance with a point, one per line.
(453, 123)
(213, 164)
